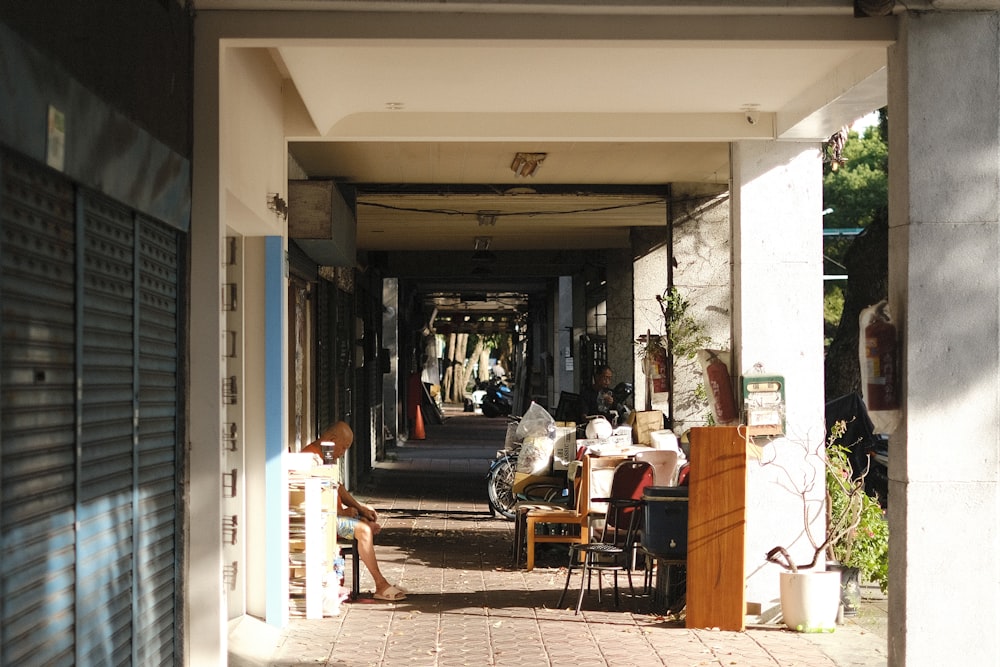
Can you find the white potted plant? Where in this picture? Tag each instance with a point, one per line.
(809, 592)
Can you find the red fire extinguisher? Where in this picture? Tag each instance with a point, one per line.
(880, 363)
(722, 389)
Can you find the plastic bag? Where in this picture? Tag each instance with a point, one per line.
(536, 422)
(535, 457)
(537, 433)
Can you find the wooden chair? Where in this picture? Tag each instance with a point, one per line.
(595, 480)
(542, 497)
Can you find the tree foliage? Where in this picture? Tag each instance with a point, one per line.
(860, 187)
(858, 194)
(833, 307)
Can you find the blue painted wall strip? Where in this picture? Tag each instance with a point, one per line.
(274, 398)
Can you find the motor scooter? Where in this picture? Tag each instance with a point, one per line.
(869, 451)
(497, 399)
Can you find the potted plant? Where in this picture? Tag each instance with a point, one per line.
(857, 531)
(856, 536)
(682, 338)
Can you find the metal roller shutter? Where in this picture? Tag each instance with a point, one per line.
(325, 384)
(343, 341)
(104, 542)
(37, 427)
(89, 427)
(157, 557)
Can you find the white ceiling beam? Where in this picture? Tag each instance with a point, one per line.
(850, 91)
(665, 7)
(524, 127)
(320, 28)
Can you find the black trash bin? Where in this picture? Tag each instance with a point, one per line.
(666, 519)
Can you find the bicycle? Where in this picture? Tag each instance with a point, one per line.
(501, 476)
(500, 484)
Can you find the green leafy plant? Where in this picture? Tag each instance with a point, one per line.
(677, 344)
(857, 531)
(857, 534)
(684, 334)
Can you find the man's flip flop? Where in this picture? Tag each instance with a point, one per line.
(391, 594)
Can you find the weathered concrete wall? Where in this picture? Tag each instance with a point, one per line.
(620, 274)
(944, 287)
(702, 274)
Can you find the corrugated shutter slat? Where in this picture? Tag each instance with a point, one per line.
(37, 477)
(158, 391)
(106, 485)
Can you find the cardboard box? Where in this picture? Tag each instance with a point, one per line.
(564, 449)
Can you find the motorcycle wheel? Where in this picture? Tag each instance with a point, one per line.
(500, 486)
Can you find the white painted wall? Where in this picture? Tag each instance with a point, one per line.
(254, 420)
(778, 322)
(238, 162)
(254, 163)
(254, 154)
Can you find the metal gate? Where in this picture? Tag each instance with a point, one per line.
(89, 460)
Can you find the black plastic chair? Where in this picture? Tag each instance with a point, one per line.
(614, 549)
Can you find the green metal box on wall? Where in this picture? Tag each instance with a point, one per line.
(764, 404)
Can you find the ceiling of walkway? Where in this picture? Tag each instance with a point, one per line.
(423, 106)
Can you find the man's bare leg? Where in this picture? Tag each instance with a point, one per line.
(366, 552)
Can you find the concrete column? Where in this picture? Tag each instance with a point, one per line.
(390, 340)
(205, 626)
(944, 504)
(777, 200)
(565, 355)
(621, 344)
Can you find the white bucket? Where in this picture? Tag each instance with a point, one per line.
(663, 440)
(810, 600)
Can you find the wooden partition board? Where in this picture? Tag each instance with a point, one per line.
(716, 593)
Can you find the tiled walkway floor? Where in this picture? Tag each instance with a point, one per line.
(468, 606)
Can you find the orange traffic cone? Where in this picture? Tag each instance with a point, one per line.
(418, 427)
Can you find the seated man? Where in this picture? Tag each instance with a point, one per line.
(355, 520)
(596, 398)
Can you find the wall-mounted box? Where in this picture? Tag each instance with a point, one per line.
(764, 404)
(321, 223)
